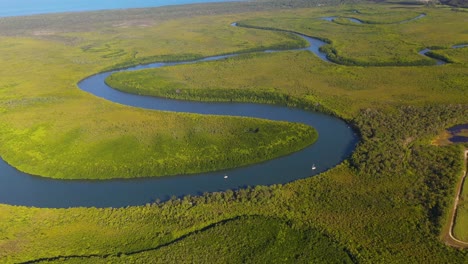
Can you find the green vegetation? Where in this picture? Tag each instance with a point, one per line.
(301, 79)
(240, 240)
(374, 43)
(460, 228)
(300, 76)
(62, 132)
(386, 204)
(136, 144)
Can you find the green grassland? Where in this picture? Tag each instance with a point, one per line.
(460, 229)
(246, 239)
(385, 204)
(52, 129)
(374, 43)
(302, 76)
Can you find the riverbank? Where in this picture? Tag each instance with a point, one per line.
(382, 205)
(93, 139)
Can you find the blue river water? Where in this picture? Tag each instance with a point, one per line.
(335, 143)
(457, 129)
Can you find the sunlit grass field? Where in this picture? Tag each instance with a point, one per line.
(51, 128)
(246, 239)
(460, 229)
(303, 75)
(343, 89)
(374, 43)
(385, 204)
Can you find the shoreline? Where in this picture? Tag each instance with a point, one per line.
(61, 7)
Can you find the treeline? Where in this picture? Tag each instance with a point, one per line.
(153, 59)
(438, 56)
(396, 143)
(294, 42)
(144, 83)
(393, 154)
(332, 54)
(251, 239)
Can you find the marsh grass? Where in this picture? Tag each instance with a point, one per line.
(385, 204)
(460, 229)
(301, 75)
(243, 239)
(52, 129)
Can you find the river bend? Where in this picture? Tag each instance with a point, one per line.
(335, 143)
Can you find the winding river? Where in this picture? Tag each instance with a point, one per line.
(335, 143)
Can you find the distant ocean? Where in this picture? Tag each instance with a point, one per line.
(33, 7)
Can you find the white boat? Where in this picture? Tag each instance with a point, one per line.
(225, 176)
(313, 167)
